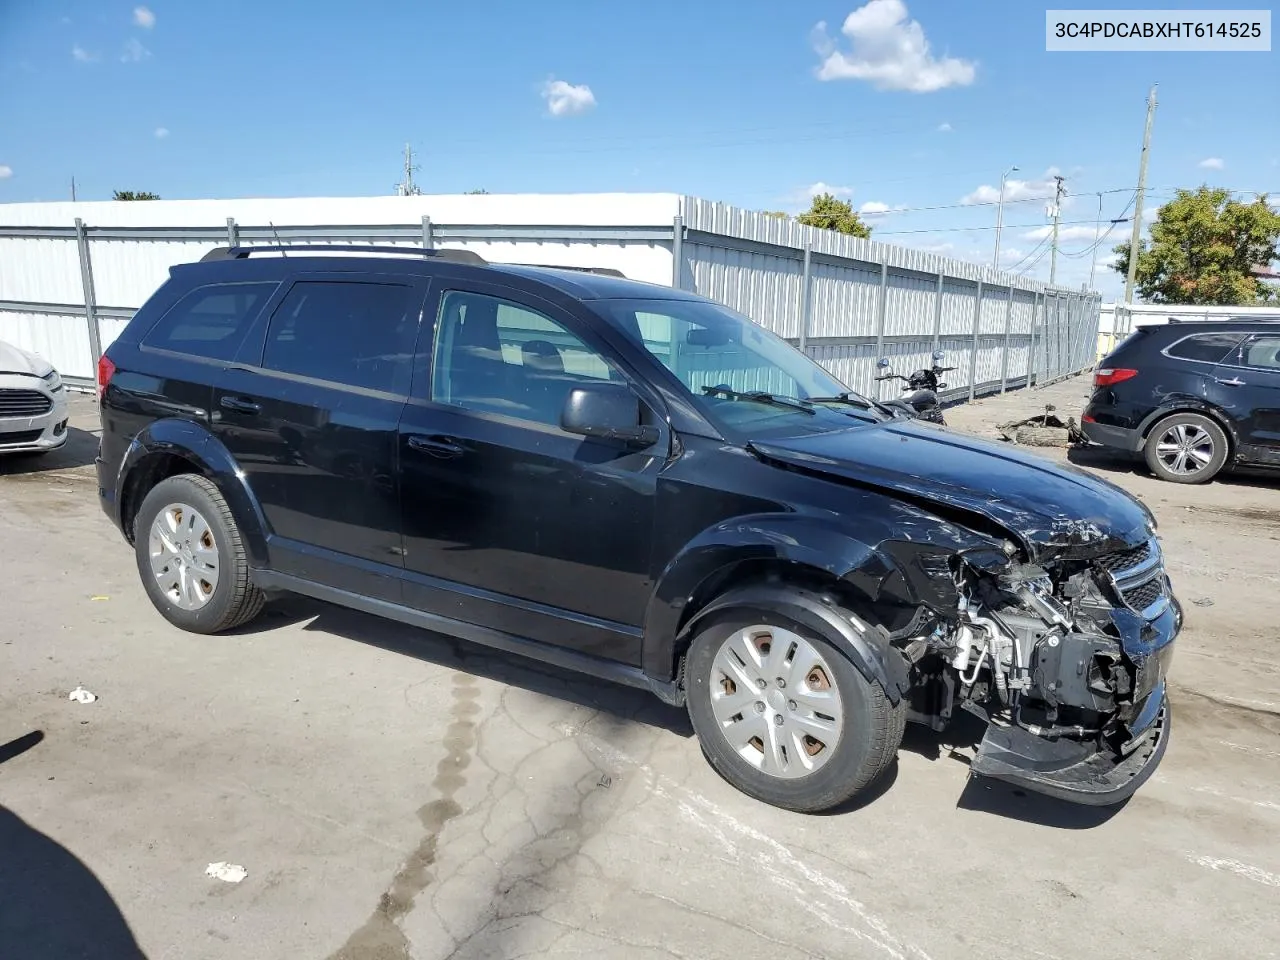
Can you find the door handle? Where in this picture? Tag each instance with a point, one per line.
(240, 405)
(1233, 382)
(441, 447)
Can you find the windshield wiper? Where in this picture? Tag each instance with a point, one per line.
(760, 396)
(854, 400)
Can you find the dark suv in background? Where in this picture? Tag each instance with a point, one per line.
(1193, 398)
(636, 483)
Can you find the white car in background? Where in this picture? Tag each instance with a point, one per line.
(33, 403)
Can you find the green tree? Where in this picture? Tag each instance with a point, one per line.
(776, 214)
(1203, 249)
(828, 213)
(134, 195)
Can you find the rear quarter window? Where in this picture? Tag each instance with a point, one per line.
(1205, 347)
(210, 321)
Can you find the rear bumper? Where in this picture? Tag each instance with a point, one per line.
(1119, 438)
(1074, 771)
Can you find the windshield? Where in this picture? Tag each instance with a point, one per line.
(743, 377)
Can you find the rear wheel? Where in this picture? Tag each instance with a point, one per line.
(1186, 448)
(784, 716)
(191, 559)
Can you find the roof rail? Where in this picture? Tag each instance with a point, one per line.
(243, 253)
(602, 271)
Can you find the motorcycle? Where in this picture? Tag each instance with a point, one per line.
(923, 403)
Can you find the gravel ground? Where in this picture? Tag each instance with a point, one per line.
(393, 794)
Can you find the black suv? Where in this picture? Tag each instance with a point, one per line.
(639, 484)
(1192, 397)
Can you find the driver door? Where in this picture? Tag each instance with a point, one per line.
(510, 522)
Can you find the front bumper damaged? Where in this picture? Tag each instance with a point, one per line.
(1088, 771)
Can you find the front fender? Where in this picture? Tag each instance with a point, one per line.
(207, 455)
(809, 543)
(866, 646)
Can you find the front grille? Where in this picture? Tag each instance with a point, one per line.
(19, 436)
(1120, 560)
(23, 403)
(1144, 595)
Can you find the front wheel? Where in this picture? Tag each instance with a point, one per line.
(1186, 448)
(784, 716)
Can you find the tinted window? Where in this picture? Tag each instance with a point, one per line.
(1264, 352)
(210, 321)
(1208, 347)
(361, 334)
(500, 357)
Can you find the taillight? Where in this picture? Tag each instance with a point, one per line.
(1110, 376)
(106, 370)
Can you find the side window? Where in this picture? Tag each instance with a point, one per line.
(1263, 351)
(1207, 347)
(496, 356)
(210, 321)
(356, 333)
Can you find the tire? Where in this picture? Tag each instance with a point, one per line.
(861, 734)
(215, 594)
(1186, 448)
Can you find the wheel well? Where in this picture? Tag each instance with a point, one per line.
(765, 570)
(1209, 413)
(144, 475)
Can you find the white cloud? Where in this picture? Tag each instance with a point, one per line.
(1066, 235)
(944, 128)
(889, 50)
(134, 51)
(566, 99)
(5, 172)
(144, 18)
(161, 132)
(819, 188)
(1014, 189)
(82, 55)
(1212, 163)
(875, 208)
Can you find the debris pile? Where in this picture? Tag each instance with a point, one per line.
(1043, 430)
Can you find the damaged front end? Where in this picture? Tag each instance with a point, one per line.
(1065, 660)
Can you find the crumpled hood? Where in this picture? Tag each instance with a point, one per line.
(1049, 508)
(13, 360)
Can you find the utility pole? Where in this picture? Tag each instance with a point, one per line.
(1136, 236)
(406, 187)
(1097, 233)
(1058, 194)
(73, 189)
(995, 262)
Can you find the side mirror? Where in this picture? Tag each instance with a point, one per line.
(606, 411)
(883, 363)
(939, 355)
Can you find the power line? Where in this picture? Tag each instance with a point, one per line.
(1019, 226)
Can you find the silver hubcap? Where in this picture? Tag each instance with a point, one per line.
(184, 557)
(1185, 448)
(776, 701)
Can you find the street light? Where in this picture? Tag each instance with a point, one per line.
(1000, 216)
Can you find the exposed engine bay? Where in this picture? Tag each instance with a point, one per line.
(1066, 663)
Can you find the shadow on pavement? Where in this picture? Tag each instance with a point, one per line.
(80, 450)
(1115, 461)
(51, 904)
(622, 702)
(984, 795)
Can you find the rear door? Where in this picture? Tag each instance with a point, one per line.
(310, 411)
(1258, 369)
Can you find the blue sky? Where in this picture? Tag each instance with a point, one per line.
(915, 103)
